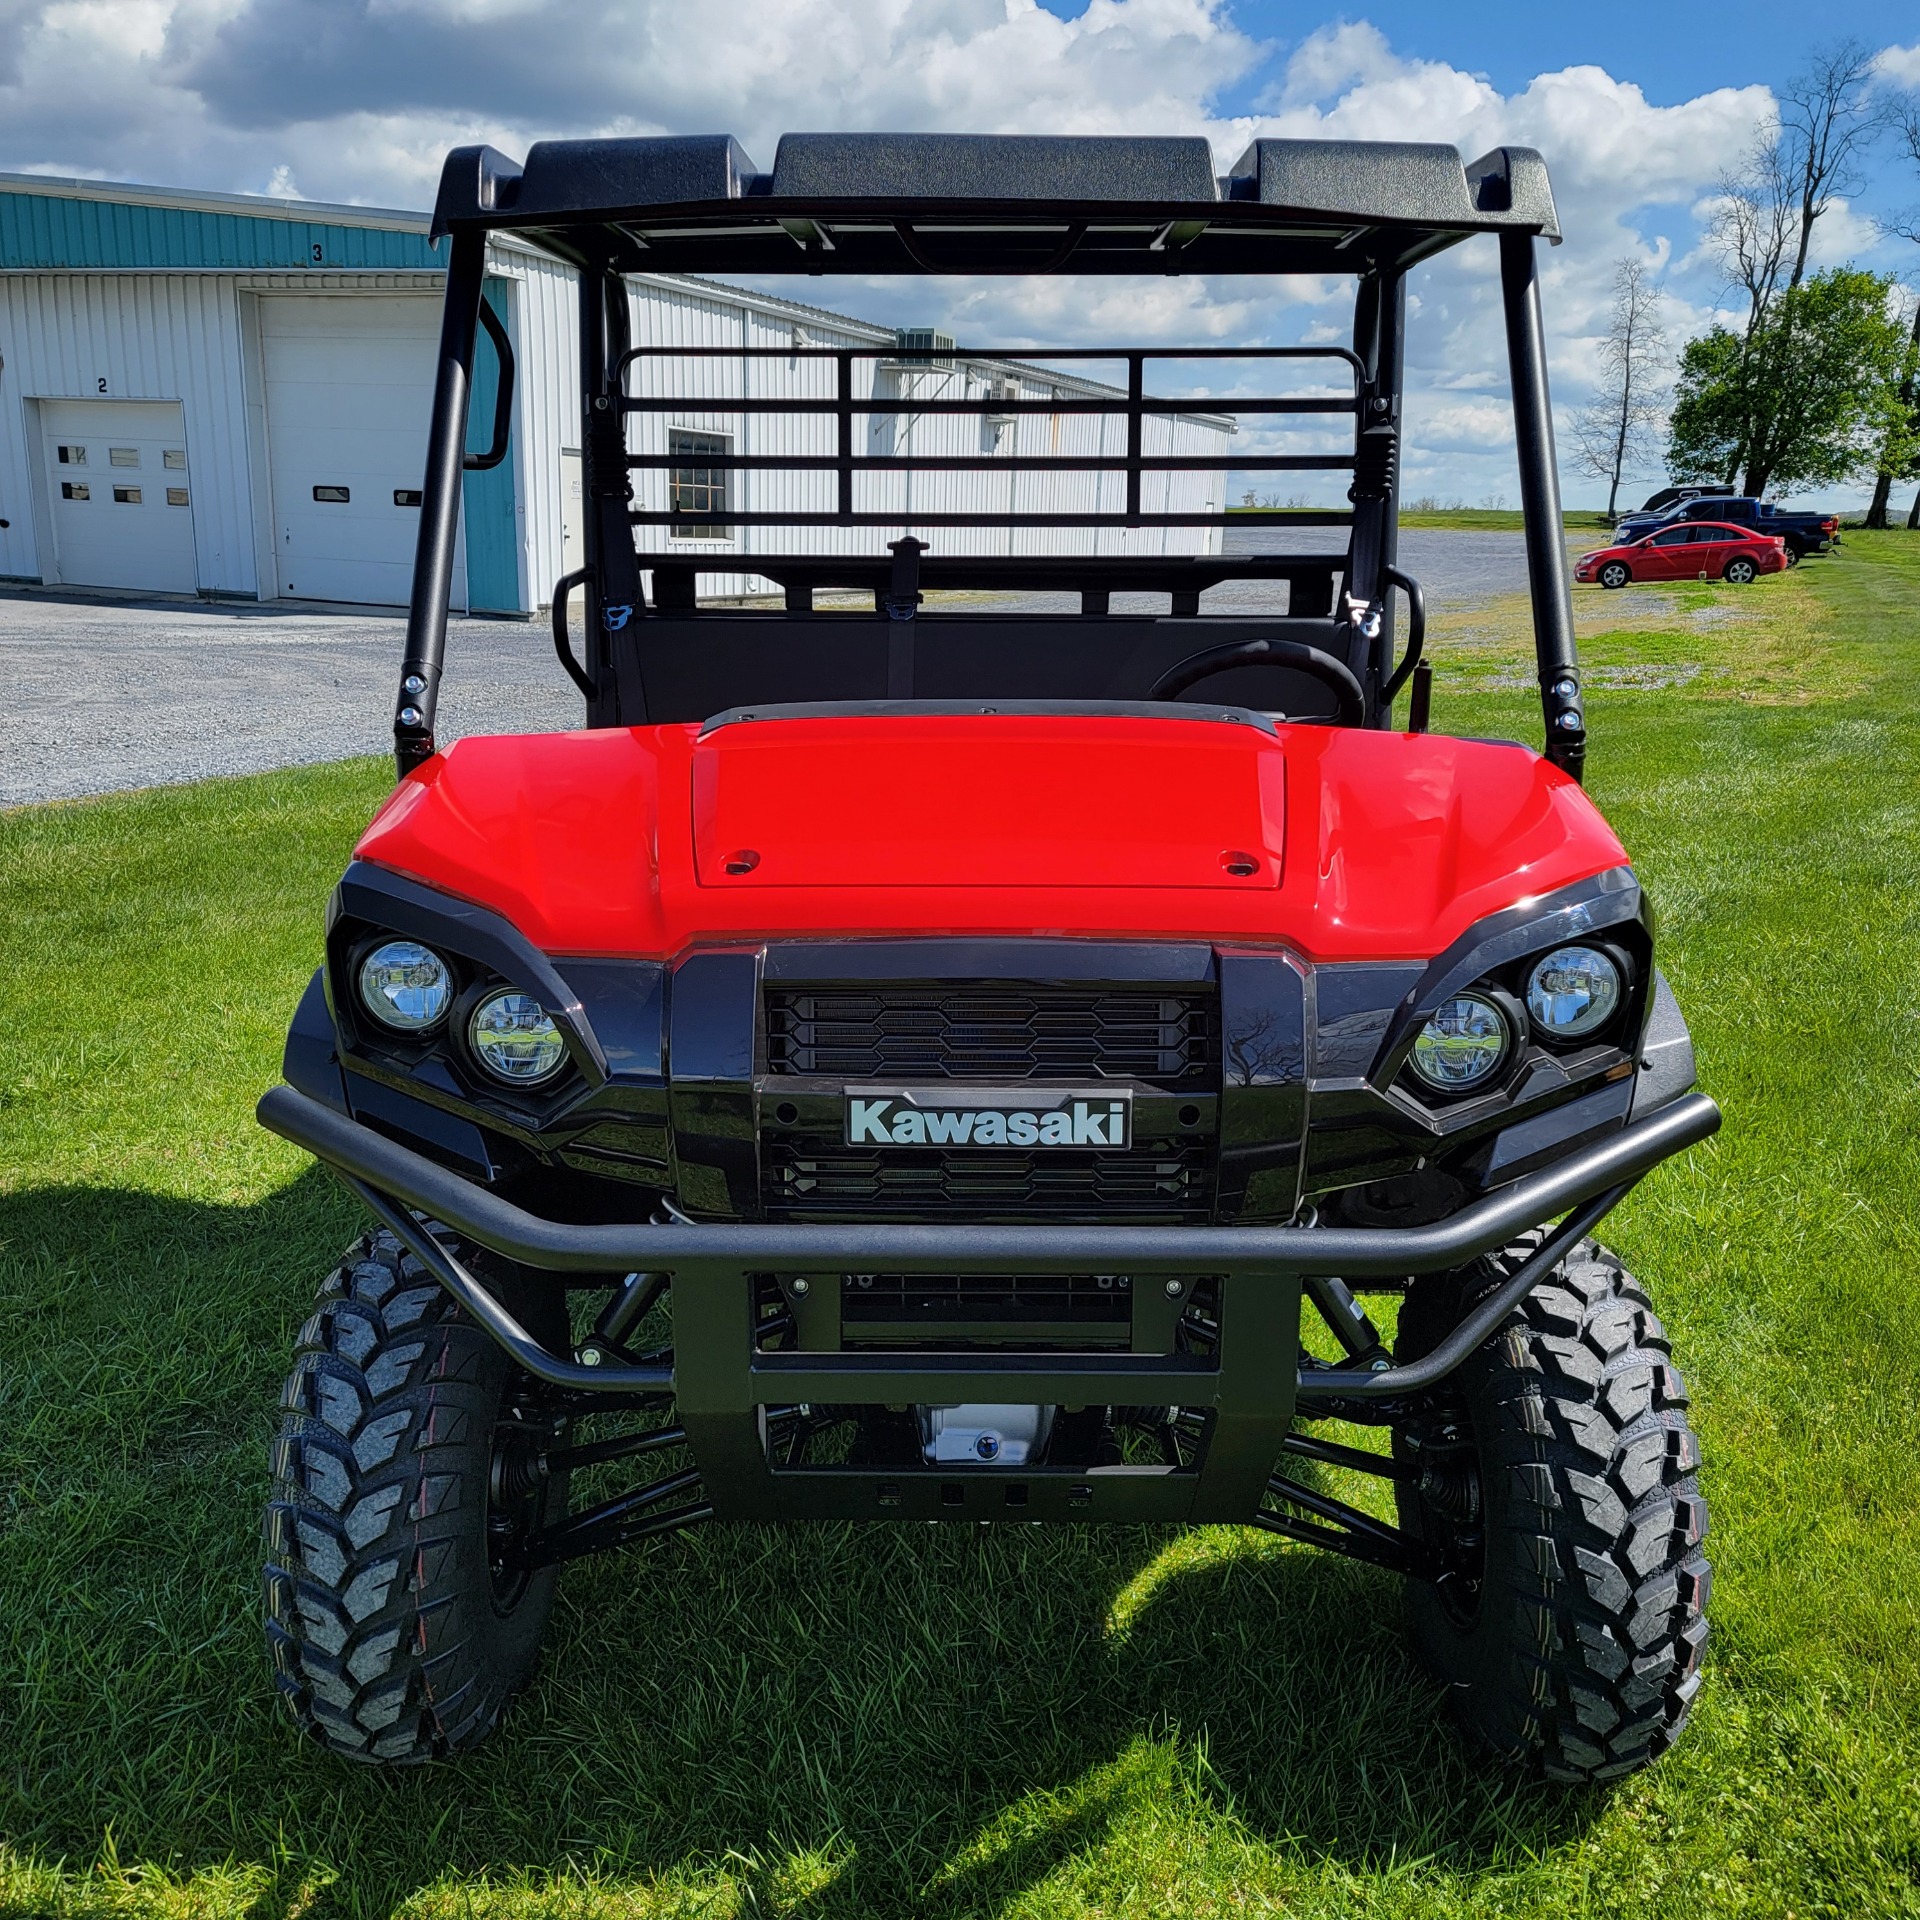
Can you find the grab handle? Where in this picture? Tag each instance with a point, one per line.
(502, 398)
(1416, 632)
(562, 641)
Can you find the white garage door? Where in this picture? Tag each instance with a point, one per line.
(349, 385)
(121, 495)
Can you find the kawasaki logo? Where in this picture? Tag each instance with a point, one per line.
(1009, 1117)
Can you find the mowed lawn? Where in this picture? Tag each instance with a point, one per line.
(932, 1721)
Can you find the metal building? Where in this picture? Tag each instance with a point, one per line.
(225, 395)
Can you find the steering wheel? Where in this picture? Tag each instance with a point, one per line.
(1332, 674)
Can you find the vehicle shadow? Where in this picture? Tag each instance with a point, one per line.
(839, 1720)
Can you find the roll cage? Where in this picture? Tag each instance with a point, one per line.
(863, 204)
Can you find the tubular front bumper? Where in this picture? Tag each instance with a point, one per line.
(721, 1383)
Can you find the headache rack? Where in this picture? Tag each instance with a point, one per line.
(1132, 459)
(800, 489)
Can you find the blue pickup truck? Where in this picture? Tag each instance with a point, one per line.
(1803, 533)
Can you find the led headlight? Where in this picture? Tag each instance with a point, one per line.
(515, 1039)
(1462, 1045)
(1573, 991)
(405, 985)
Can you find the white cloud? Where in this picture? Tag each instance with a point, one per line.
(1463, 425)
(1901, 65)
(1333, 59)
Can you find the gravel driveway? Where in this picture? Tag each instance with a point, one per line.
(98, 695)
(1455, 569)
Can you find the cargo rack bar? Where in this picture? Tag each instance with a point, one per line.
(1040, 572)
(1096, 578)
(1135, 405)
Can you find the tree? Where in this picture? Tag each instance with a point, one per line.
(1615, 433)
(1807, 399)
(1765, 212)
(1900, 458)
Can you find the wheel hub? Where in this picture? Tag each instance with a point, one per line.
(516, 1503)
(519, 1471)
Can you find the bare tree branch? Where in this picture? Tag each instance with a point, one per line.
(1751, 225)
(1828, 119)
(1905, 225)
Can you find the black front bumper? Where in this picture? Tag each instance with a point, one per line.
(722, 1384)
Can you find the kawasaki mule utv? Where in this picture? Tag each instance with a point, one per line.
(910, 1056)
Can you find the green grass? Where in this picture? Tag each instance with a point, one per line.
(1499, 519)
(925, 1721)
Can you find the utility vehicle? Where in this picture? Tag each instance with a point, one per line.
(912, 1058)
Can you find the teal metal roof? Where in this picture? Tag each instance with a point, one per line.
(94, 232)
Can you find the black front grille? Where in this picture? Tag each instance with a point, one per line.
(969, 1308)
(1167, 1182)
(991, 1033)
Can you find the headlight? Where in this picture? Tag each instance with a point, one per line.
(515, 1040)
(405, 985)
(1573, 991)
(1462, 1045)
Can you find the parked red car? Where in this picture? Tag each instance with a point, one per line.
(1693, 550)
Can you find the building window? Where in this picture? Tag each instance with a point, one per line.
(176, 496)
(74, 490)
(695, 488)
(127, 496)
(124, 456)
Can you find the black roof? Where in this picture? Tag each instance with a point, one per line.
(985, 203)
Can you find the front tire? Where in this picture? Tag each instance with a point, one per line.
(1558, 1483)
(1616, 573)
(398, 1624)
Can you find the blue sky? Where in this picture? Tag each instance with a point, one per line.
(1638, 108)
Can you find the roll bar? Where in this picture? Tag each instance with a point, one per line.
(1506, 194)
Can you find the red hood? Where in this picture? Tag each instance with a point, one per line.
(647, 841)
(1020, 802)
